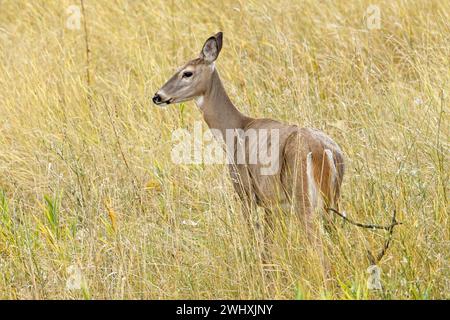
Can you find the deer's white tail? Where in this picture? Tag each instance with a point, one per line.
(333, 178)
(315, 197)
(327, 188)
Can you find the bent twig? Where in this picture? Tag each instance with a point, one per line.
(373, 260)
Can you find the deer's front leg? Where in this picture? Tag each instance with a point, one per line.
(243, 187)
(249, 208)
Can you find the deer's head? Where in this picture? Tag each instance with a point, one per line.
(193, 78)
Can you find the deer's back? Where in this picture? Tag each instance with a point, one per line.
(288, 183)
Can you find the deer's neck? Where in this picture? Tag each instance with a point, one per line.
(218, 110)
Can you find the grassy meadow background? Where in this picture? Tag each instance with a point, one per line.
(88, 191)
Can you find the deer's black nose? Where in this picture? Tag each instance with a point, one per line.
(156, 98)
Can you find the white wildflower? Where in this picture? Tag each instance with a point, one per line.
(189, 223)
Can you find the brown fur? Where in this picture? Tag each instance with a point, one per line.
(288, 187)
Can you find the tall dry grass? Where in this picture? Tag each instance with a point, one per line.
(86, 180)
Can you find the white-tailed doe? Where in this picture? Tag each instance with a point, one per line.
(311, 165)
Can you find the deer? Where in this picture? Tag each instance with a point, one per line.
(310, 165)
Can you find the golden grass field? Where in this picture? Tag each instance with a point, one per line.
(88, 188)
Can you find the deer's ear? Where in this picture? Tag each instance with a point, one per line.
(212, 47)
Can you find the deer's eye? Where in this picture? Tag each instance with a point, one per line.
(187, 74)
